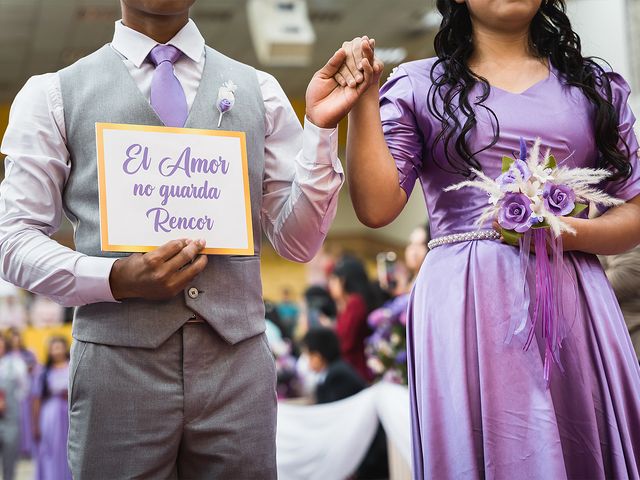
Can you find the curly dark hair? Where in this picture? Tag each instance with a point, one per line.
(552, 37)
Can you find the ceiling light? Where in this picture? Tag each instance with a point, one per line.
(281, 31)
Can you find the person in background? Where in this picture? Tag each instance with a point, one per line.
(50, 417)
(44, 312)
(355, 298)
(623, 272)
(283, 350)
(13, 313)
(319, 307)
(26, 429)
(416, 250)
(288, 310)
(337, 381)
(14, 384)
(317, 310)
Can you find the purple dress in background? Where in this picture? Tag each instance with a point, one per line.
(51, 461)
(26, 430)
(480, 407)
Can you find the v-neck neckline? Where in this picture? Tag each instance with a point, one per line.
(530, 87)
(147, 103)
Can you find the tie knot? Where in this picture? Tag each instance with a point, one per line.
(164, 53)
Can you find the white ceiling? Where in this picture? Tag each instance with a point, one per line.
(38, 36)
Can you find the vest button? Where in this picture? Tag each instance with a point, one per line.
(193, 292)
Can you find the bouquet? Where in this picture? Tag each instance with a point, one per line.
(386, 349)
(531, 200)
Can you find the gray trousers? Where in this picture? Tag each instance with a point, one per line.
(194, 408)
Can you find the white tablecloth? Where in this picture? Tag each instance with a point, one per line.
(328, 442)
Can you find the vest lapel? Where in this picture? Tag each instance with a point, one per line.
(135, 94)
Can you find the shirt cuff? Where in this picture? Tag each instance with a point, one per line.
(92, 274)
(320, 146)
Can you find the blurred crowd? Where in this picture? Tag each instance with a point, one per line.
(33, 407)
(347, 331)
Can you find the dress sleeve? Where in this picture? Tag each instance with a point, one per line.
(400, 127)
(629, 188)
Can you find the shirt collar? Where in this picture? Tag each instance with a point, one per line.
(135, 46)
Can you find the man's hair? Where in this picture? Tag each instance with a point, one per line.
(323, 341)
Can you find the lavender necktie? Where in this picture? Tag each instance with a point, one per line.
(167, 95)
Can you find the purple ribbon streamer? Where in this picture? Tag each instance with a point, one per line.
(548, 306)
(522, 300)
(552, 299)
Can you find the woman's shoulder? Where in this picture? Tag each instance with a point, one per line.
(407, 79)
(417, 71)
(604, 75)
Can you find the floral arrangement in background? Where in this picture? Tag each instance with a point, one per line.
(386, 348)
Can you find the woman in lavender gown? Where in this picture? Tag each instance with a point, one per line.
(51, 414)
(26, 406)
(480, 407)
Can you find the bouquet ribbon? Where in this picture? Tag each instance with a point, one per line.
(548, 310)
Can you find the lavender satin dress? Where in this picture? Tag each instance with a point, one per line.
(480, 407)
(51, 460)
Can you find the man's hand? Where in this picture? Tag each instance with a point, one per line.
(330, 96)
(158, 275)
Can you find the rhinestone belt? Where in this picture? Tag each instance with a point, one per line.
(464, 237)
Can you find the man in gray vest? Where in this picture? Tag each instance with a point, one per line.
(171, 376)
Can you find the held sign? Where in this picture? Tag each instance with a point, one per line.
(158, 184)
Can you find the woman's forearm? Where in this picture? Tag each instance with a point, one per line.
(615, 232)
(371, 171)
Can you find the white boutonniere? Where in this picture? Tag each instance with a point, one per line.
(226, 99)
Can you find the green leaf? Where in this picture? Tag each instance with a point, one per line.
(551, 162)
(542, 225)
(579, 208)
(511, 237)
(506, 163)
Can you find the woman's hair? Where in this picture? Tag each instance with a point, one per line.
(552, 37)
(323, 341)
(355, 280)
(45, 375)
(318, 298)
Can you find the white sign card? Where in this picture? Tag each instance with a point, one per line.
(158, 184)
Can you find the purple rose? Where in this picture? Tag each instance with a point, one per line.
(559, 199)
(515, 212)
(224, 105)
(510, 176)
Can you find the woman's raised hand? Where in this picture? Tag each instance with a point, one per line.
(359, 57)
(329, 97)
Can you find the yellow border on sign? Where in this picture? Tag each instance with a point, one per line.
(102, 187)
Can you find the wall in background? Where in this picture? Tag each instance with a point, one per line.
(4, 120)
(603, 27)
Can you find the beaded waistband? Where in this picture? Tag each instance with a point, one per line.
(464, 237)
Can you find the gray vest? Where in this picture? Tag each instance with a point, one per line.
(228, 294)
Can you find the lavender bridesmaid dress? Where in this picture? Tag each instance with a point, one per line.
(51, 463)
(480, 407)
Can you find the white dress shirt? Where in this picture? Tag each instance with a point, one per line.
(303, 176)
